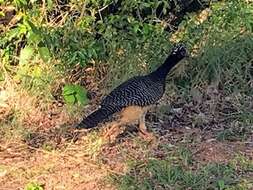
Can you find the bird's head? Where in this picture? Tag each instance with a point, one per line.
(180, 51)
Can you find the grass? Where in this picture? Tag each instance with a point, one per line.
(166, 174)
(203, 124)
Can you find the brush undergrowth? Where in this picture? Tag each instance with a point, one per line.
(220, 39)
(42, 41)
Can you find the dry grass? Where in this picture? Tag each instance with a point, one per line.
(198, 126)
(54, 170)
(38, 144)
(35, 146)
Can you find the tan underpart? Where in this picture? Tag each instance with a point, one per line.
(129, 115)
(143, 129)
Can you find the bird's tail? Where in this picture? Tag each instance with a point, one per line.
(97, 117)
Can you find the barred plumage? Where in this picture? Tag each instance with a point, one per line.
(97, 116)
(138, 91)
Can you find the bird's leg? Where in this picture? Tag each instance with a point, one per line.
(112, 128)
(127, 115)
(143, 129)
(114, 131)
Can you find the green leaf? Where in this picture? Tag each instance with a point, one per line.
(69, 94)
(50, 4)
(33, 186)
(44, 53)
(81, 95)
(136, 28)
(221, 184)
(70, 99)
(75, 94)
(34, 38)
(22, 29)
(68, 89)
(13, 34)
(30, 24)
(25, 55)
(20, 3)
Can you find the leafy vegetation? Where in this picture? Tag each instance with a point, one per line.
(33, 186)
(74, 93)
(57, 58)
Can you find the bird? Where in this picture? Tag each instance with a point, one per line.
(132, 99)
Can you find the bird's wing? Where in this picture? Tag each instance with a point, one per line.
(140, 91)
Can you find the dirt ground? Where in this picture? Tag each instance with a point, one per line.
(82, 161)
(58, 157)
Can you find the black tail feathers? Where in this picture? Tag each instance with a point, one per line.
(97, 117)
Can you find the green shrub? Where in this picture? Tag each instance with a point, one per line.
(33, 186)
(74, 94)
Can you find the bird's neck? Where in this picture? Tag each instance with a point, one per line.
(162, 71)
